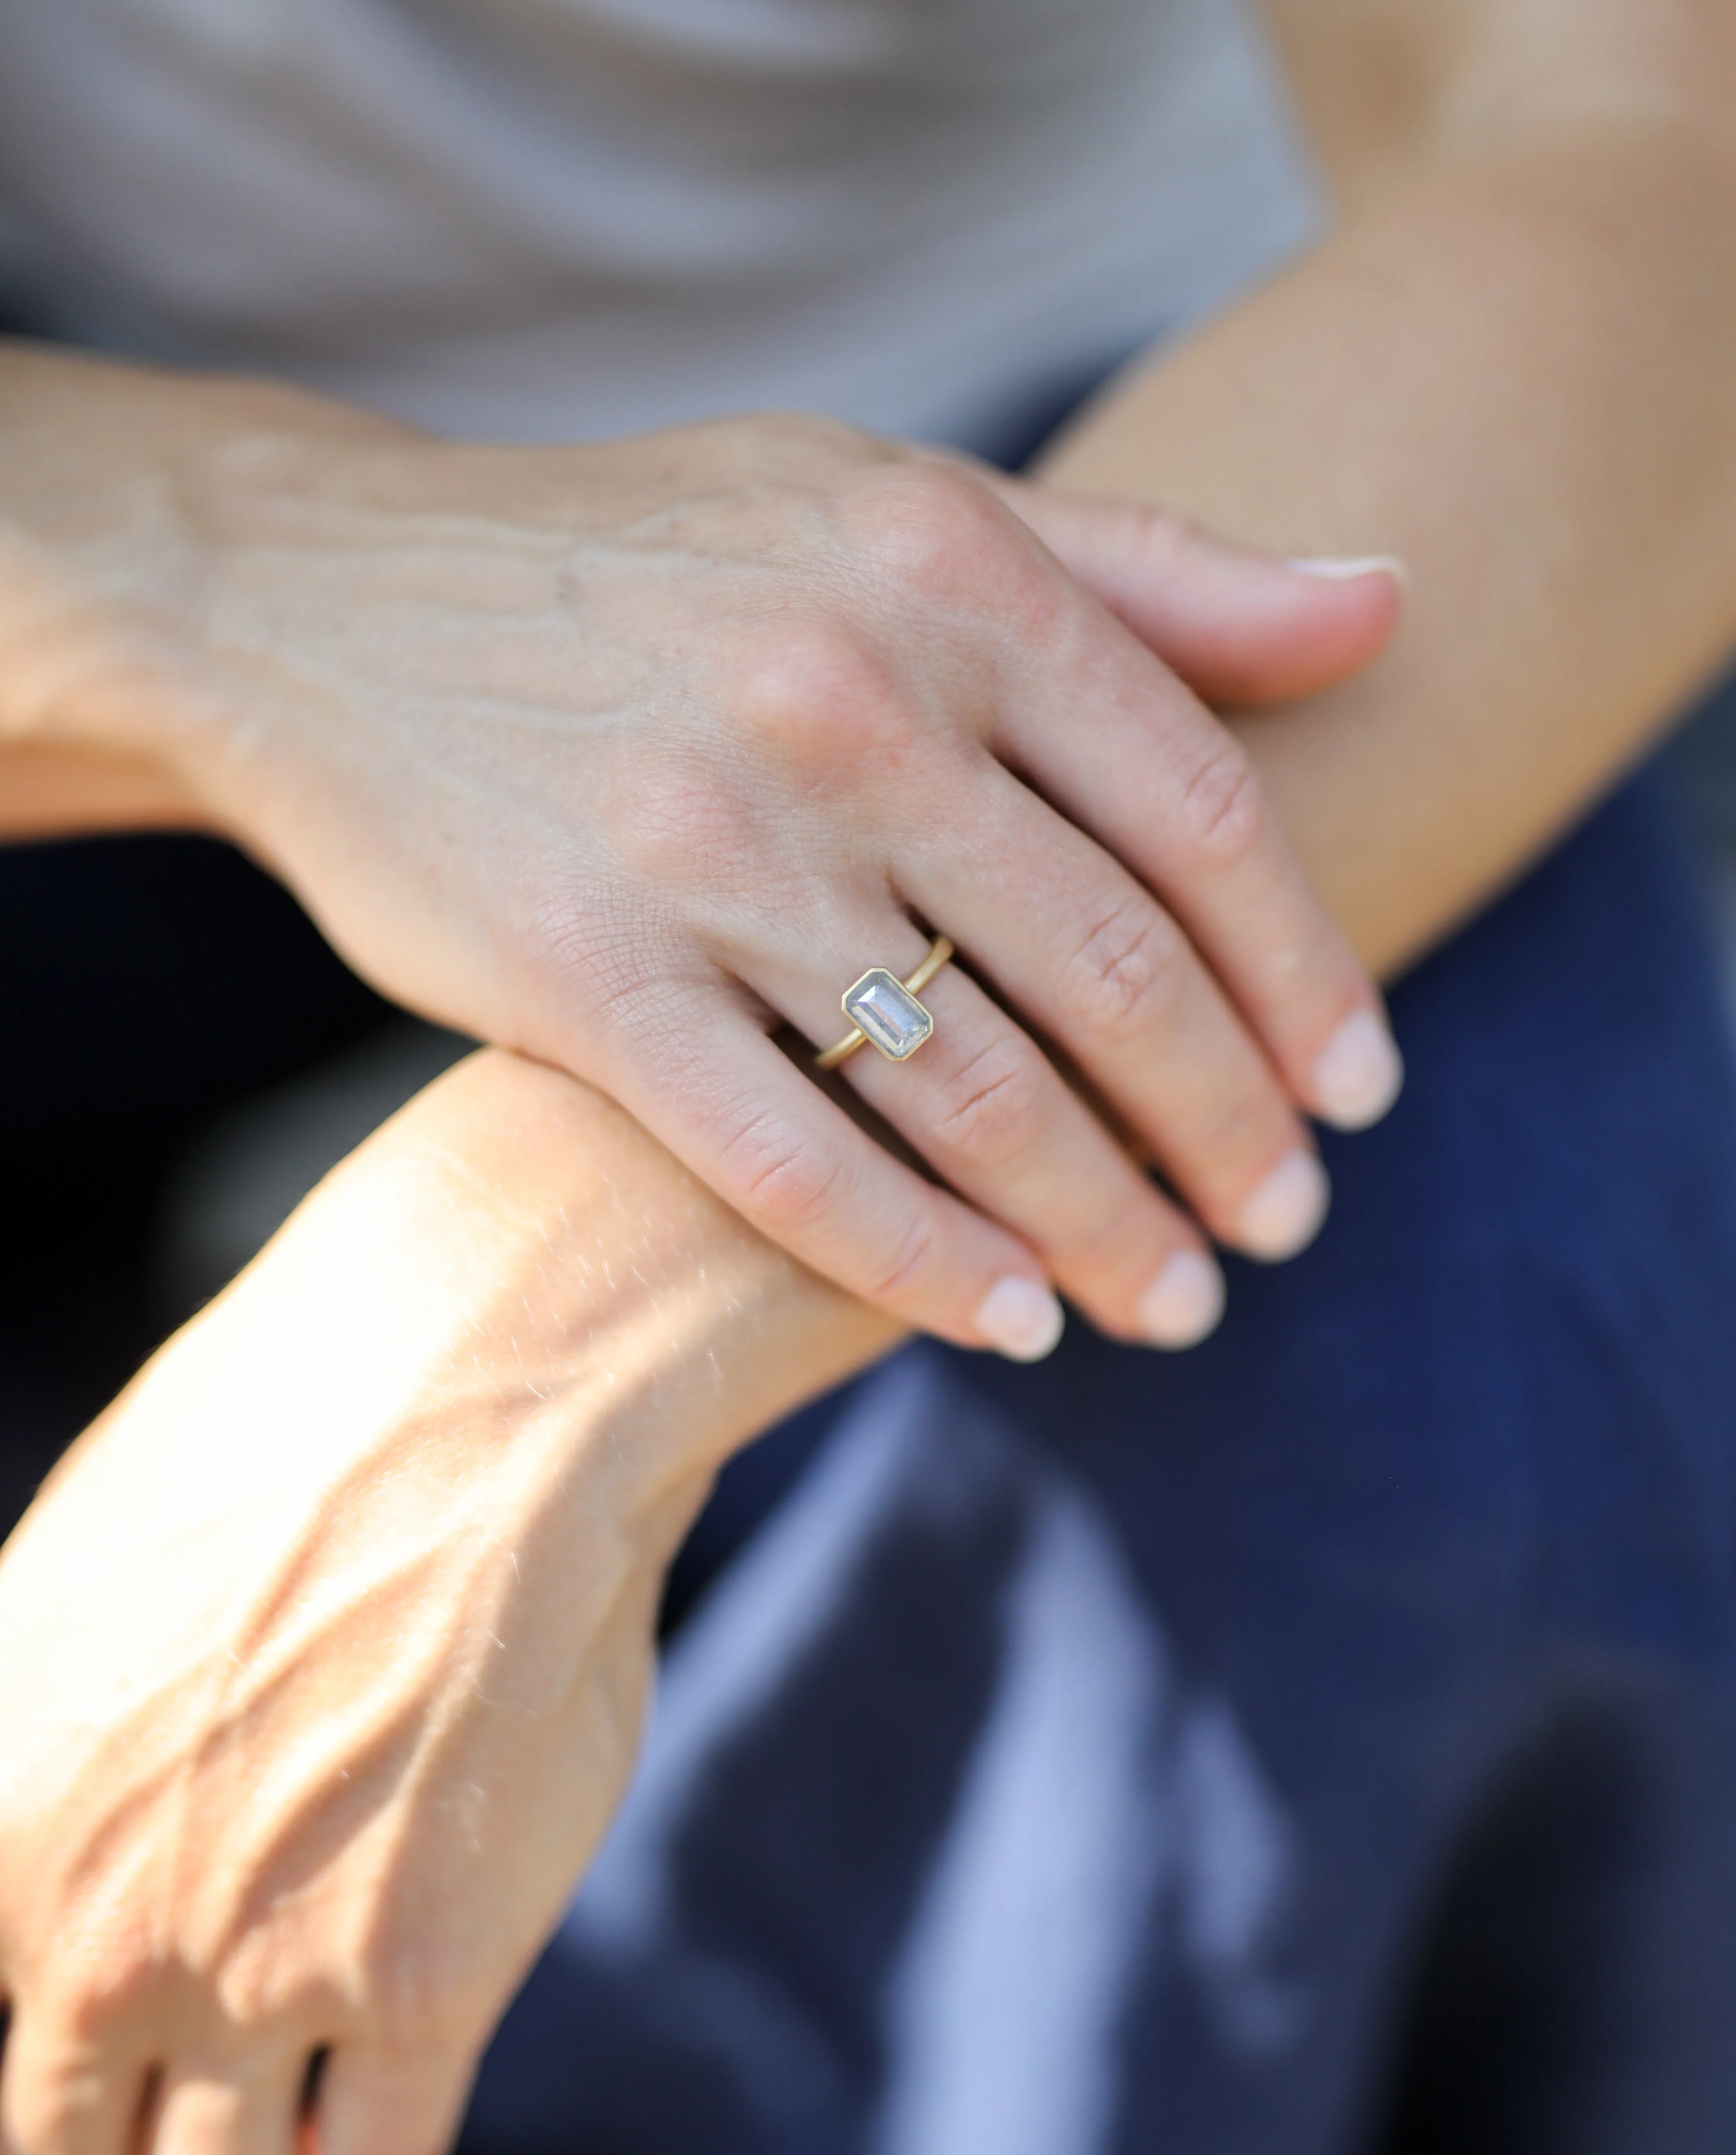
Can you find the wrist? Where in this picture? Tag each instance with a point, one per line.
(120, 487)
(509, 1287)
(590, 1269)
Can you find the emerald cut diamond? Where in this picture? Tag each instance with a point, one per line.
(887, 1014)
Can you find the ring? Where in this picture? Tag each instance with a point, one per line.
(883, 1012)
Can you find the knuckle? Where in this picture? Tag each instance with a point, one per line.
(1221, 814)
(821, 696)
(990, 1111)
(1165, 542)
(911, 503)
(933, 530)
(1155, 540)
(784, 1187)
(1161, 531)
(787, 1189)
(677, 822)
(909, 1259)
(1128, 973)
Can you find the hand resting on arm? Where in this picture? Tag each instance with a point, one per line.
(193, 1898)
(626, 754)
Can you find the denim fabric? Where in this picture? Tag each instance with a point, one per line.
(1316, 1742)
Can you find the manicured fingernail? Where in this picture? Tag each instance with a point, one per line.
(1285, 1213)
(1021, 1317)
(1359, 1073)
(1345, 569)
(1184, 1302)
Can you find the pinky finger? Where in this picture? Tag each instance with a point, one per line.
(786, 1157)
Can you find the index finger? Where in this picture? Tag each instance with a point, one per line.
(1113, 740)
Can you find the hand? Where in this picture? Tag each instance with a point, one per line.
(322, 1657)
(624, 755)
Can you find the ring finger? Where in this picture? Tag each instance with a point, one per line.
(986, 1109)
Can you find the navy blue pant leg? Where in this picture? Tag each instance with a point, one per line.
(1446, 1507)
(1347, 1704)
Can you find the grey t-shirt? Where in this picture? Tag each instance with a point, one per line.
(541, 218)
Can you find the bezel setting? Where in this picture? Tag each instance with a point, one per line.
(888, 1015)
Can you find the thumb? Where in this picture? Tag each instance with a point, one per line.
(1242, 628)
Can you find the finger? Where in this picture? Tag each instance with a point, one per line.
(373, 2101)
(65, 2092)
(771, 1144)
(1114, 742)
(209, 2113)
(1079, 945)
(1240, 627)
(985, 1107)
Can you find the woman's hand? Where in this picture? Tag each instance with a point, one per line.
(322, 1657)
(626, 754)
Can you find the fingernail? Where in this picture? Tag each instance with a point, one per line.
(1345, 568)
(1359, 1073)
(1184, 1302)
(1021, 1317)
(1284, 1214)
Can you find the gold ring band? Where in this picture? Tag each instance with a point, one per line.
(897, 1024)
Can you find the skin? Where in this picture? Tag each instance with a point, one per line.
(313, 1767)
(1513, 363)
(1536, 247)
(626, 754)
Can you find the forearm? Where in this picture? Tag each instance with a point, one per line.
(109, 475)
(322, 1655)
(490, 1364)
(513, 1253)
(1518, 371)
